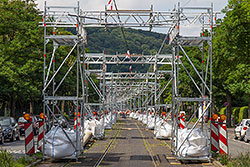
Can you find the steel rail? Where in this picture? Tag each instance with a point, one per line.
(99, 161)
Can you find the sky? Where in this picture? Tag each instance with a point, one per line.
(158, 5)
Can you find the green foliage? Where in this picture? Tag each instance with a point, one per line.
(235, 114)
(240, 161)
(224, 159)
(222, 111)
(6, 159)
(66, 115)
(243, 113)
(24, 160)
(243, 160)
(20, 51)
(231, 53)
(112, 41)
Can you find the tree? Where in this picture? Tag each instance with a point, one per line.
(20, 48)
(231, 47)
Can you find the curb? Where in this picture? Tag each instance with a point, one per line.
(34, 163)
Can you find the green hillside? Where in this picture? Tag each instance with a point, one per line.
(113, 42)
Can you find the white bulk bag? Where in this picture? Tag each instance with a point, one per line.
(157, 127)
(98, 130)
(151, 123)
(131, 115)
(194, 146)
(57, 145)
(140, 117)
(163, 130)
(136, 115)
(107, 122)
(144, 119)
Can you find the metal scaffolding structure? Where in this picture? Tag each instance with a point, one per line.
(53, 16)
(127, 90)
(204, 17)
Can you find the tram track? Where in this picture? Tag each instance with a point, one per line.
(147, 146)
(101, 158)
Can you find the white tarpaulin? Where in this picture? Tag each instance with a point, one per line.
(194, 146)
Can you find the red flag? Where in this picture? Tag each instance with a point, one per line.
(130, 68)
(128, 54)
(110, 5)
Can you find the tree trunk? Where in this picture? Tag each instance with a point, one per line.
(62, 107)
(249, 106)
(13, 107)
(229, 110)
(2, 108)
(31, 107)
(213, 106)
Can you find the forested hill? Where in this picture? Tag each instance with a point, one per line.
(112, 40)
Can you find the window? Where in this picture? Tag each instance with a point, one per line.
(5, 121)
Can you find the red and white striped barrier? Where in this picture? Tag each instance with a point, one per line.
(40, 135)
(29, 138)
(77, 120)
(214, 135)
(181, 119)
(223, 145)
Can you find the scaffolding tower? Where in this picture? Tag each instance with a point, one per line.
(131, 90)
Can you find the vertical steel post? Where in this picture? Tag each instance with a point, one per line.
(155, 89)
(44, 73)
(77, 85)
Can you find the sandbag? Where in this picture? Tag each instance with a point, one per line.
(131, 115)
(140, 117)
(194, 146)
(157, 127)
(163, 130)
(144, 119)
(99, 129)
(107, 122)
(136, 115)
(57, 145)
(151, 123)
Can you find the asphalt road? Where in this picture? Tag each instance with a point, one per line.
(236, 146)
(17, 148)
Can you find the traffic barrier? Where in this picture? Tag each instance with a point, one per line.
(40, 135)
(181, 119)
(77, 120)
(214, 133)
(29, 138)
(223, 145)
